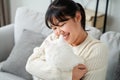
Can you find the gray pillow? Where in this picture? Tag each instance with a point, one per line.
(16, 62)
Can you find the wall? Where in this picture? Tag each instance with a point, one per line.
(114, 17)
(113, 21)
(91, 4)
(39, 5)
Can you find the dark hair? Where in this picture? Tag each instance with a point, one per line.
(62, 8)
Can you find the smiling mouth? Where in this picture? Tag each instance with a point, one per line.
(66, 36)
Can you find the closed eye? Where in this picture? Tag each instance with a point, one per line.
(62, 25)
(54, 28)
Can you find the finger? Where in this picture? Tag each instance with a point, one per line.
(81, 66)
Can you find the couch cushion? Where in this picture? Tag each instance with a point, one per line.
(16, 62)
(29, 19)
(8, 76)
(112, 39)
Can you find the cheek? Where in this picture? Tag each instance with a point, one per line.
(67, 28)
(71, 26)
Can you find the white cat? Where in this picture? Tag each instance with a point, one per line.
(61, 56)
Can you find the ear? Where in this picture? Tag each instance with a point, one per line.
(78, 16)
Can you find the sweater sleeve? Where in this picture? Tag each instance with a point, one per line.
(37, 65)
(96, 62)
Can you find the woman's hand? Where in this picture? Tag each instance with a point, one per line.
(78, 72)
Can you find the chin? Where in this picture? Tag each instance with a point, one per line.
(69, 42)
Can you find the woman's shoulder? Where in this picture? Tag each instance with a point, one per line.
(96, 48)
(95, 43)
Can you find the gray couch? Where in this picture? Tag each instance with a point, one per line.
(18, 40)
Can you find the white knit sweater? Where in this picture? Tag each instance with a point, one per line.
(94, 53)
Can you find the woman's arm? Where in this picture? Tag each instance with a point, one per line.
(97, 63)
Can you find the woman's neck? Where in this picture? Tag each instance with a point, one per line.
(80, 39)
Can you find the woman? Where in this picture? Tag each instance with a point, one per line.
(67, 18)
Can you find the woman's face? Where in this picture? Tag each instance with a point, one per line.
(71, 30)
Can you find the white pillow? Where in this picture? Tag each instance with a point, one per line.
(29, 19)
(94, 32)
(112, 40)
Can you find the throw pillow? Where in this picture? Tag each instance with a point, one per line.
(16, 62)
(31, 20)
(94, 32)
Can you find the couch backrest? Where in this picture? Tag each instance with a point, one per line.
(6, 41)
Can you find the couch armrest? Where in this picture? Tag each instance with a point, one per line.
(1, 63)
(0, 66)
(6, 41)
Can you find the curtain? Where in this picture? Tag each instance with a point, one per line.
(4, 15)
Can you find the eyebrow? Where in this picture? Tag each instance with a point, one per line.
(52, 26)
